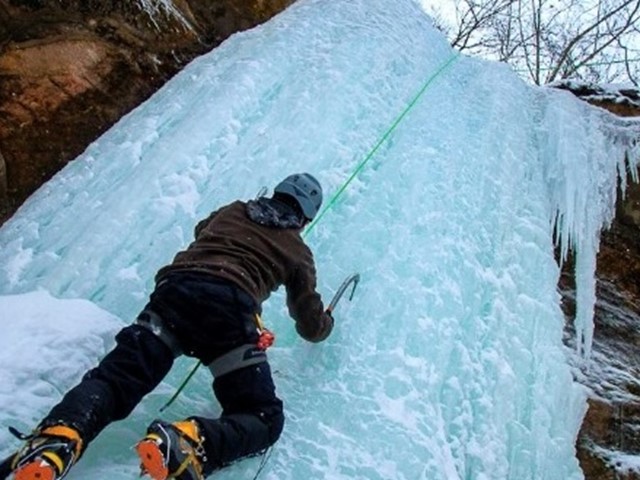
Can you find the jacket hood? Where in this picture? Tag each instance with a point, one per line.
(273, 213)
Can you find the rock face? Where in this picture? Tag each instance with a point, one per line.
(70, 69)
(609, 441)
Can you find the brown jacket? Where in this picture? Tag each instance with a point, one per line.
(258, 258)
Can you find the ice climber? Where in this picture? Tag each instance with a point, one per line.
(206, 304)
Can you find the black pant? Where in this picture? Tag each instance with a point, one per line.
(208, 317)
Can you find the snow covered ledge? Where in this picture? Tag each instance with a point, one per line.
(46, 345)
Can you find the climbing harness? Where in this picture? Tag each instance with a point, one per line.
(240, 357)
(252, 354)
(244, 355)
(153, 322)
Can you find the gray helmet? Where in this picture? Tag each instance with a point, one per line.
(305, 189)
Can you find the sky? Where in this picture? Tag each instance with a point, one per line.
(445, 179)
(565, 21)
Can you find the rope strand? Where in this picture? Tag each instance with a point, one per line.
(384, 137)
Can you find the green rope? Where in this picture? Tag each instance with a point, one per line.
(386, 135)
(181, 387)
(344, 186)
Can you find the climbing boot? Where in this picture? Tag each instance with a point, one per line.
(172, 450)
(48, 454)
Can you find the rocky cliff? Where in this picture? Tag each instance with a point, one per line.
(70, 69)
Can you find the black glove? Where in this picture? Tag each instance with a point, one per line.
(327, 325)
(316, 332)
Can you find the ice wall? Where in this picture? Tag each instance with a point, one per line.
(448, 363)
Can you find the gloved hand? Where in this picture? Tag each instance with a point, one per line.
(316, 332)
(327, 325)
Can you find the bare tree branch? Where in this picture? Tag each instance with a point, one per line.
(590, 28)
(588, 39)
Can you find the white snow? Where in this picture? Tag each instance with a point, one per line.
(46, 343)
(448, 363)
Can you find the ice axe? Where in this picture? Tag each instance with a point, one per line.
(355, 278)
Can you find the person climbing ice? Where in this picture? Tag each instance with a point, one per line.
(206, 304)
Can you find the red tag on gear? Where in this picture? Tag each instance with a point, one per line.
(265, 340)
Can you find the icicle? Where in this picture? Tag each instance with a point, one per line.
(585, 157)
(155, 8)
